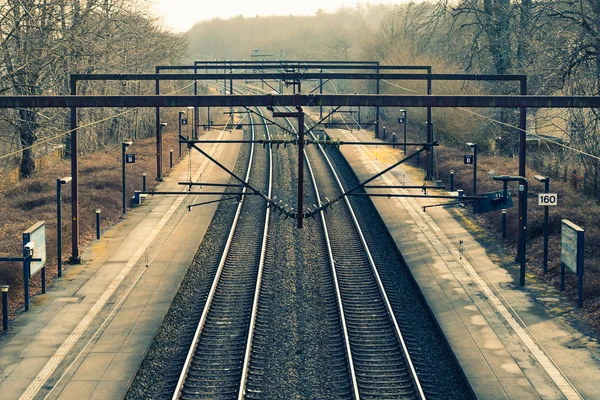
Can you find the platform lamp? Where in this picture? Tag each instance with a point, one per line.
(124, 146)
(404, 123)
(181, 114)
(4, 289)
(474, 147)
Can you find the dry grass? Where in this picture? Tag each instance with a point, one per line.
(34, 199)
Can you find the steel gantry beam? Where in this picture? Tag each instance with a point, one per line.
(277, 100)
(366, 100)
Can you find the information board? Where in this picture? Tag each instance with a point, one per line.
(37, 235)
(570, 234)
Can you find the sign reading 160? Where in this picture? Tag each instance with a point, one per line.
(547, 199)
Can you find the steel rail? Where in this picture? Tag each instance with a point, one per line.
(382, 291)
(338, 293)
(379, 283)
(345, 334)
(188, 362)
(261, 263)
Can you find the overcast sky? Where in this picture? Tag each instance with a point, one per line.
(181, 15)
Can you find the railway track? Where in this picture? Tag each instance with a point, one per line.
(312, 319)
(220, 346)
(377, 357)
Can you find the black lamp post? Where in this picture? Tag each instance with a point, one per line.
(4, 289)
(124, 146)
(546, 181)
(181, 114)
(522, 220)
(474, 147)
(404, 123)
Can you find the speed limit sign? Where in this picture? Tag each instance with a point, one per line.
(547, 199)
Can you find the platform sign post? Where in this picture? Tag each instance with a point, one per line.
(34, 256)
(571, 255)
(126, 159)
(546, 200)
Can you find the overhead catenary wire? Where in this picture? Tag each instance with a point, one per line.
(543, 138)
(92, 123)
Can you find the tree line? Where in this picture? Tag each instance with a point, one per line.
(556, 43)
(42, 42)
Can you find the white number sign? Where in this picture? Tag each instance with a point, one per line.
(547, 199)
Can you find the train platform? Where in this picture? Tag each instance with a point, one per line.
(512, 342)
(86, 337)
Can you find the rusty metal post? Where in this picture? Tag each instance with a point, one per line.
(300, 167)
(196, 111)
(522, 155)
(158, 138)
(321, 92)
(75, 258)
(377, 108)
(429, 168)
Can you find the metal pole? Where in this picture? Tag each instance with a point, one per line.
(404, 132)
(522, 145)
(170, 158)
(43, 279)
(523, 241)
(429, 133)
(4, 307)
(522, 220)
(321, 92)
(58, 229)
(98, 211)
(452, 180)
(580, 260)
(474, 169)
(546, 223)
(300, 166)
(158, 138)
(504, 223)
(144, 182)
(26, 271)
(75, 259)
(179, 131)
(123, 150)
(377, 108)
(196, 110)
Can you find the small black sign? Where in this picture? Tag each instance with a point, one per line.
(130, 158)
(468, 159)
(400, 120)
(183, 121)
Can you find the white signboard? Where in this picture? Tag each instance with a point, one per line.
(569, 246)
(37, 235)
(547, 199)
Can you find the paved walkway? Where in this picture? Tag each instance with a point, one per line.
(512, 342)
(86, 337)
